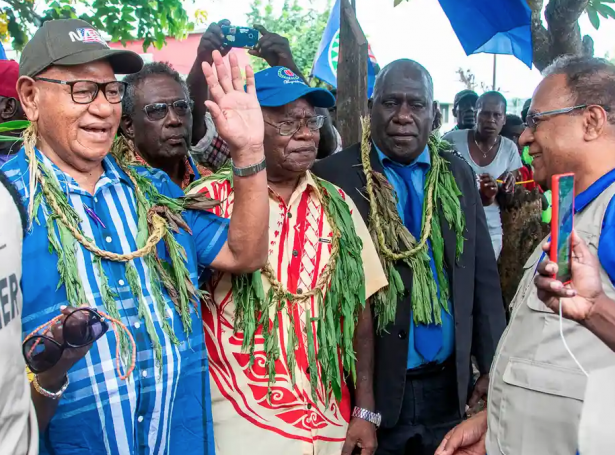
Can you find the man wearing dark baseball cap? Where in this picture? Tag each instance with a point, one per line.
(10, 108)
(73, 42)
(105, 235)
(303, 232)
(464, 109)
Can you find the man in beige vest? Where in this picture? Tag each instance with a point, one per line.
(18, 428)
(584, 300)
(537, 388)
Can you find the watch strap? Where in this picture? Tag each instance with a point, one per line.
(364, 414)
(249, 170)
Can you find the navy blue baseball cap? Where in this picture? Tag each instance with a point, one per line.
(278, 86)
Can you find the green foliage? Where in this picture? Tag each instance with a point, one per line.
(123, 20)
(302, 26)
(597, 8)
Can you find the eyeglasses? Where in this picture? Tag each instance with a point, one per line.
(291, 127)
(158, 111)
(534, 119)
(84, 92)
(80, 328)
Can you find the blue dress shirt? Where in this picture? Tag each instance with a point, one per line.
(420, 167)
(162, 409)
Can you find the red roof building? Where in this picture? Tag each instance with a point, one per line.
(179, 53)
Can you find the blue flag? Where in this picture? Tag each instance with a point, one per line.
(325, 63)
(2, 53)
(492, 27)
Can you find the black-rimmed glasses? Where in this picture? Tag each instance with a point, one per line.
(84, 92)
(80, 328)
(291, 127)
(158, 111)
(534, 119)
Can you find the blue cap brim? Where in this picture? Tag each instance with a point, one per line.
(318, 97)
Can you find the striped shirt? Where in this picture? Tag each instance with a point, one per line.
(158, 410)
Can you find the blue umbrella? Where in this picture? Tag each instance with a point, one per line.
(2, 53)
(492, 26)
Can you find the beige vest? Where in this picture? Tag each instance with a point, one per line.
(18, 429)
(536, 391)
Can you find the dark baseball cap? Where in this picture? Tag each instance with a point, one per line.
(278, 86)
(464, 94)
(73, 42)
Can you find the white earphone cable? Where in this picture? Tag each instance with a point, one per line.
(561, 332)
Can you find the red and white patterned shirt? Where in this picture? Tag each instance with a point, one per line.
(293, 423)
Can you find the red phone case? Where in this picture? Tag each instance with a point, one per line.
(555, 218)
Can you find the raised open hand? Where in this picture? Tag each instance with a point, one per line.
(235, 111)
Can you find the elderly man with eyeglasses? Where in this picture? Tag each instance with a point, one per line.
(539, 373)
(282, 342)
(122, 239)
(157, 121)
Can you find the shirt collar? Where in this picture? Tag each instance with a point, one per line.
(594, 190)
(112, 174)
(423, 160)
(306, 182)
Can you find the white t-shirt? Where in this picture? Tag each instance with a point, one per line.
(18, 427)
(506, 159)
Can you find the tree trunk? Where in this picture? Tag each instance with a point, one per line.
(562, 36)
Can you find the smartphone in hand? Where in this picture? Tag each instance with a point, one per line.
(562, 224)
(242, 37)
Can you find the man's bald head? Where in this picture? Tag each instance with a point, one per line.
(403, 69)
(402, 110)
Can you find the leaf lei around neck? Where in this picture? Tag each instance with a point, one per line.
(158, 217)
(395, 243)
(339, 294)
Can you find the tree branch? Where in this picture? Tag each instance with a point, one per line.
(562, 19)
(540, 36)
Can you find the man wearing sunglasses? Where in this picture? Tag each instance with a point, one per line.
(157, 118)
(537, 388)
(286, 407)
(119, 238)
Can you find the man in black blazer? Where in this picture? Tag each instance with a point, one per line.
(421, 399)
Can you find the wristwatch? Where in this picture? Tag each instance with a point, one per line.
(371, 417)
(249, 170)
(46, 393)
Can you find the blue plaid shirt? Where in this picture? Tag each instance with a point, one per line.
(155, 411)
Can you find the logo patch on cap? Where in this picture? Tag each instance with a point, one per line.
(87, 35)
(289, 77)
(285, 73)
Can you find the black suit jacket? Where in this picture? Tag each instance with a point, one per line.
(475, 286)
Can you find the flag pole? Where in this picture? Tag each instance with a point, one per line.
(495, 71)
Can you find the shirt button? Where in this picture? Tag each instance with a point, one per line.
(140, 419)
(295, 253)
(144, 374)
(121, 282)
(108, 239)
(137, 325)
(290, 215)
(402, 334)
(309, 406)
(299, 291)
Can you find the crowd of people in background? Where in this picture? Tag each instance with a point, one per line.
(201, 266)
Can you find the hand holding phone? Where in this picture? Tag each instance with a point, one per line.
(562, 224)
(241, 37)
